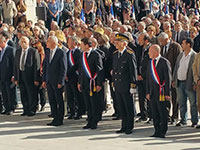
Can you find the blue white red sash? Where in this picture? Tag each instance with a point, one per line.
(88, 73)
(71, 60)
(157, 80)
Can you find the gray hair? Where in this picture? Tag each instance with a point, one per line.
(24, 37)
(163, 35)
(54, 38)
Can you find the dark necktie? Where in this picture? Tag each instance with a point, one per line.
(154, 62)
(177, 37)
(23, 60)
(119, 55)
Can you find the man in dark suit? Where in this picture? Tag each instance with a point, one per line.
(6, 73)
(90, 81)
(170, 50)
(54, 73)
(178, 34)
(74, 96)
(158, 89)
(26, 75)
(142, 61)
(124, 81)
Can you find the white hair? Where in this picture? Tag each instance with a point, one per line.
(163, 35)
(54, 38)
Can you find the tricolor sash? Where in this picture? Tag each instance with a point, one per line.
(157, 80)
(71, 60)
(88, 73)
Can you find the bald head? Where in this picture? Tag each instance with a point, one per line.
(154, 51)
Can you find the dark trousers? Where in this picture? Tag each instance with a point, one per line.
(91, 107)
(174, 104)
(1, 104)
(160, 115)
(115, 103)
(8, 95)
(126, 109)
(74, 99)
(56, 102)
(40, 95)
(144, 105)
(28, 95)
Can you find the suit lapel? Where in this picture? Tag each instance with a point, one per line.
(54, 55)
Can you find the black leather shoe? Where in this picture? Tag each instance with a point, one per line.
(87, 127)
(77, 117)
(161, 136)
(58, 124)
(24, 114)
(121, 131)
(51, 123)
(93, 127)
(128, 131)
(50, 116)
(194, 125)
(42, 108)
(70, 117)
(141, 119)
(31, 113)
(181, 123)
(198, 127)
(155, 135)
(9, 113)
(4, 112)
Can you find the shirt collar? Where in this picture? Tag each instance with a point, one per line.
(190, 53)
(88, 52)
(122, 51)
(157, 58)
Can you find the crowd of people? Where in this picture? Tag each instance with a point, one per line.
(85, 48)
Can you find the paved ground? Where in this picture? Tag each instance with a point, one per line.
(31, 133)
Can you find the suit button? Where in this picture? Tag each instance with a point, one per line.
(121, 67)
(120, 73)
(115, 79)
(119, 79)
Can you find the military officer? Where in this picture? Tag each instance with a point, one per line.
(124, 77)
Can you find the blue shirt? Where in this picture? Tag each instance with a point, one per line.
(53, 7)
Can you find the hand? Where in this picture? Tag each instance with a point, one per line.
(198, 82)
(132, 91)
(98, 88)
(66, 78)
(12, 79)
(111, 72)
(79, 87)
(173, 84)
(59, 86)
(167, 98)
(194, 87)
(139, 77)
(16, 83)
(148, 97)
(44, 85)
(36, 83)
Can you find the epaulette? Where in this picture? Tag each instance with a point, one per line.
(115, 51)
(129, 51)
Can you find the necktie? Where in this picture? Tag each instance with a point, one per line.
(177, 36)
(164, 50)
(154, 62)
(50, 56)
(23, 60)
(119, 55)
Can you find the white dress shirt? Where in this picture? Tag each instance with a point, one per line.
(53, 53)
(183, 66)
(22, 53)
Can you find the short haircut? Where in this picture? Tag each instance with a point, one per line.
(163, 35)
(146, 36)
(54, 38)
(5, 34)
(190, 41)
(87, 41)
(156, 48)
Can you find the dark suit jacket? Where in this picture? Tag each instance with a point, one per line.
(7, 64)
(72, 70)
(164, 72)
(54, 72)
(96, 66)
(172, 53)
(124, 71)
(183, 35)
(32, 66)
